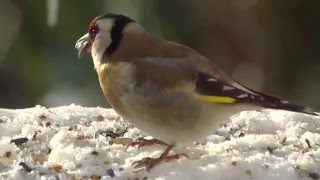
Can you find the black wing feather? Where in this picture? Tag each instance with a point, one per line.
(211, 86)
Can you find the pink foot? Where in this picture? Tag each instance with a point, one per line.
(149, 163)
(141, 142)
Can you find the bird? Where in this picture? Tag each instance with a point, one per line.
(166, 89)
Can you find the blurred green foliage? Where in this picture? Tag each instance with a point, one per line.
(280, 39)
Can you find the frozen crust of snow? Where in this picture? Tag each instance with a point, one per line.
(74, 142)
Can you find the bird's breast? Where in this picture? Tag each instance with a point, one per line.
(116, 81)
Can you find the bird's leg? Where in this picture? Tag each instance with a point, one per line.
(141, 142)
(149, 163)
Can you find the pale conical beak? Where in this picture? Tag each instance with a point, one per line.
(82, 44)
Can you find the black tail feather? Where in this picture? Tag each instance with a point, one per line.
(272, 102)
(285, 105)
(276, 103)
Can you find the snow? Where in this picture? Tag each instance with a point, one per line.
(73, 142)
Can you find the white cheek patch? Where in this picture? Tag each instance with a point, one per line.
(99, 46)
(102, 40)
(105, 24)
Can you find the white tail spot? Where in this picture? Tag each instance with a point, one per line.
(227, 88)
(237, 85)
(285, 102)
(212, 80)
(243, 95)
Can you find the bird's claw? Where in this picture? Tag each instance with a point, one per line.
(141, 142)
(149, 162)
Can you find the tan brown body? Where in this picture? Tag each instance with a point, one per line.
(137, 83)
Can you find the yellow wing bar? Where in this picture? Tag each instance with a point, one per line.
(216, 99)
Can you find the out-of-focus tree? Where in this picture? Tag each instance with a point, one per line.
(267, 44)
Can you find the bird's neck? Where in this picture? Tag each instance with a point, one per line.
(137, 42)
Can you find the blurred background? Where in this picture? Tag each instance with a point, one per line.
(268, 45)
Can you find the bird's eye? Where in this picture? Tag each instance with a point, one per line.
(93, 31)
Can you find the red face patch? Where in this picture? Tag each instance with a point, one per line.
(92, 25)
(92, 28)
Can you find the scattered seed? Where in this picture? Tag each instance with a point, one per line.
(37, 157)
(196, 143)
(308, 143)
(35, 135)
(48, 150)
(270, 149)
(45, 124)
(234, 163)
(121, 169)
(248, 172)
(110, 172)
(304, 150)
(203, 143)
(314, 175)
(56, 167)
(121, 131)
(73, 128)
(297, 167)
(87, 123)
(8, 154)
(283, 140)
(25, 167)
(106, 162)
(265, 165)
(73, 177)
(19, 141)
(42, 116)
(95, 153)
(117, 133)
(229, 150)
(241, 134)
(81, 137)
(100, 118)
(95, 177)
(42, 173)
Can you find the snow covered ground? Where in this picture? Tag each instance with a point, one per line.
(73, 142)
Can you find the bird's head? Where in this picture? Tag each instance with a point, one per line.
(104, 35)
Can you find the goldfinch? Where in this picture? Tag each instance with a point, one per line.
(166, 89)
